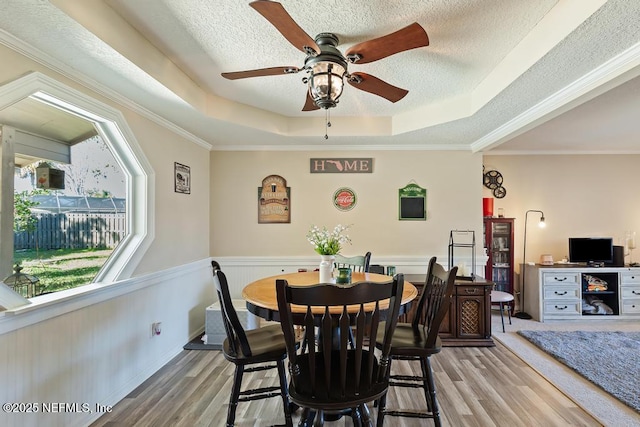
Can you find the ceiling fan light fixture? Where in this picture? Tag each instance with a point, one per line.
(326, 72)
(326, 66)
(326, 82)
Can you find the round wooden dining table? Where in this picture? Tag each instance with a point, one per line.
(262, 300)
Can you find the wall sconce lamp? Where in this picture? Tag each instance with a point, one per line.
(522, 314)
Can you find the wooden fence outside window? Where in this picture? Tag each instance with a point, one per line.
(73, 231)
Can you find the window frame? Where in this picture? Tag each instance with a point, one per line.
(116, 133)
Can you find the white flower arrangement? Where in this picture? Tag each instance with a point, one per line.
(328, 243)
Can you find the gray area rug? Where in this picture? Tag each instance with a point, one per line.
(611, 360)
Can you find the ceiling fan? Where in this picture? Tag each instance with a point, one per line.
(327, 66)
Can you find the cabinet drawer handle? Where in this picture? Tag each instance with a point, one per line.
(561, 308)
(560, 293)
(559, 280)
(635, 292)
(471, 291)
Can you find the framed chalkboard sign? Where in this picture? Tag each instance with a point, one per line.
(412, 203)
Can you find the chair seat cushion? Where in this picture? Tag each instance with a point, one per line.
(409, 342)
(264, 342)
(332, 396)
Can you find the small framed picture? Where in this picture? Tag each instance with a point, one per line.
(182, 176)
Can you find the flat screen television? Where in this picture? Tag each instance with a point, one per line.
(591, 250)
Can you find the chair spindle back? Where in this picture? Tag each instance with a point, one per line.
(359, 263)
(336, 367)
(235, 332)
(435, 300)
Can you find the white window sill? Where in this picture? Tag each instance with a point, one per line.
(47, 306)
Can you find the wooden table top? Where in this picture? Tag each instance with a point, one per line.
(262, 293)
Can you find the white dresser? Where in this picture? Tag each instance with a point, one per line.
(560, 292)
(630, 291)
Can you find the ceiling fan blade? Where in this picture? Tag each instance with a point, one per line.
(410, 37)
(309, 105)
(275, 13)
(374, 85)
(273, 71)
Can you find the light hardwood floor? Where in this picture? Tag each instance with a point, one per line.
(476, 387)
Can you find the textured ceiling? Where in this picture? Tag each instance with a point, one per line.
(494, 72)
(468, 40)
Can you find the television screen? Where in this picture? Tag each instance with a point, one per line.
(591, 249)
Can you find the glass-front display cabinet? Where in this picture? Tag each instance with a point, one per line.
(498, 242)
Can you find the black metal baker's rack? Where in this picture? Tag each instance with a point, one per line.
(463, 239)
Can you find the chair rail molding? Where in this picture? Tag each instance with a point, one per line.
(243, 270)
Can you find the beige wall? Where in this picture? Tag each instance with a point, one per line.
(182, 220)
(452, 180)
(581, 196)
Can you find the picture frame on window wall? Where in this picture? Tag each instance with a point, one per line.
(182, 178)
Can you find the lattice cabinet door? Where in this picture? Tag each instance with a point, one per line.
(470, 324)
(472, 313)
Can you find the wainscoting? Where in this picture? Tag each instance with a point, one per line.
(95, 348)
(243, 270)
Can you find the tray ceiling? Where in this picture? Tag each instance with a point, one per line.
(498, 75)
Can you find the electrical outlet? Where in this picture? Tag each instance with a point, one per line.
(156, 328)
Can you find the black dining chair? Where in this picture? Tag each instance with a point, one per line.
(332, 377)
(250, 351)
(419, 340)
(358, 263)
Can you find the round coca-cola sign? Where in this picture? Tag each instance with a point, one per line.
(344, 199)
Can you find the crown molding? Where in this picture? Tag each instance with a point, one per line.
(612, 73)
(404, 147)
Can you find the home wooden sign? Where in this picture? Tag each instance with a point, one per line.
(341, 165)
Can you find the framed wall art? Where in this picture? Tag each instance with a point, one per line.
(182, 178)
(412, 203)
(274, 201)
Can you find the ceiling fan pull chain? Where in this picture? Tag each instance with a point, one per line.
(327, 122)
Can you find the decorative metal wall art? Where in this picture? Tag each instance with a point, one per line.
(344, 199)
(493, 181)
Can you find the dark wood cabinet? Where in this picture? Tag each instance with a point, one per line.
(468, 322)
